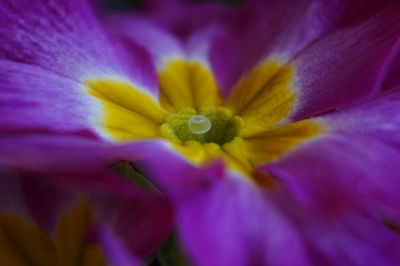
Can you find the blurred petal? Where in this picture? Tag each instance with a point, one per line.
(54, 154)
(351, 238)
(346, 75)
(11, 197)
(196, 17)
(131, 213)
(160, 44)
(24, 243)
(338, 172)
(115, 252)
(261, 28)
(172, 172)
(183, 66)
(356, 162)
(65, 169)
(70, 238)
(232, 222)
(283, 29)
(348, 240)
(392, 78)
(60, 36)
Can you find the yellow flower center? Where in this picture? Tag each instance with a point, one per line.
(246, 130)
(208, 125)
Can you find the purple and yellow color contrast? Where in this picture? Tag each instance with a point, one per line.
(272, 128)
(245, 130)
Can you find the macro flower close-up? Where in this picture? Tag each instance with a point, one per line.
(213, 133)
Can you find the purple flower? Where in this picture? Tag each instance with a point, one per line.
(273, 128)
(53, 218)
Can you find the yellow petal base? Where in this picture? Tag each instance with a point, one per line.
(248, 129)
(23, 242)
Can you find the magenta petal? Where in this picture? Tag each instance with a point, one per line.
(351, 238)
(83, 158)
(349, 241)
(55, 154)
(196, 24)
(198, 45)
(234, 223)
(57, 170)
(114, 250)
(35, 198)
(282, 30)
(169, 170)
(141, 219)
(34, 99)
(61, 36)
(392, 78)
(261, 28)
(356, 162)
(348, 65)
(47, 52)
(186, 20)
(159, 43)
(378, 118)
(198, 16)
(339, 172)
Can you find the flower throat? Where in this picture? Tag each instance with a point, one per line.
(208, 125)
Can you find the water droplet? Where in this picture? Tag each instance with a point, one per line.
(199, 124)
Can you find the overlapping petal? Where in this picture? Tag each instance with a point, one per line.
(228, 213)
(344, 238)
(224, 219)
(261, 28)
(338, 172)
(378, 118)
(178, 61)
(301, 33)
(24, 242)
(351, 167)
(48, 54)
(131, 213)
(354, 67)
(54, 154)
(184, 73)
(236, 224)
(355, 163)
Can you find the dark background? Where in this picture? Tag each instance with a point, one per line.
(136, 4)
